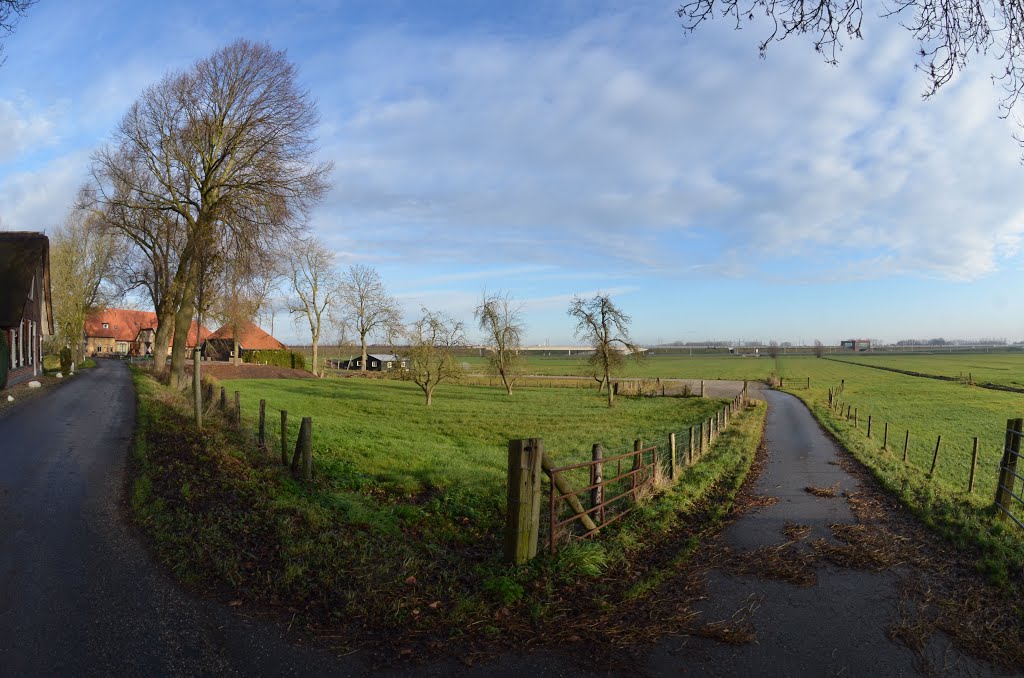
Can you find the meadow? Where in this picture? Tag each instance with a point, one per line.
(1006, 369)
(732, 367)
(381, 429)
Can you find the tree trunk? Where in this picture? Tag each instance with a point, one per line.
(164, 326)
(238, 356)
(197, 392)
(429, 390)
(508, 386)
(182, 325)
(362, 363)
(316, 340)
(611, 391)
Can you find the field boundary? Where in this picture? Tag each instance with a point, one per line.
(940, 377)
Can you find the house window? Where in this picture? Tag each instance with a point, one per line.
(389, 365)
(106, 326)
(374, 364)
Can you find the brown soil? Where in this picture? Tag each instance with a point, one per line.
(21, 392)
(224, 371)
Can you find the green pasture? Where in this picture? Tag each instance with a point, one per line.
(381, 431)
(1006, 369)
(665, 366)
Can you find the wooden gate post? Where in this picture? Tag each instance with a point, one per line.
(522, 522)
(284, 437)
(672, 456)
(263, 423)
(596, 478)
(637, 446)
(1008, 468)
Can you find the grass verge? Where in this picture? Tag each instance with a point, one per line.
(406, 575)
(966, 521)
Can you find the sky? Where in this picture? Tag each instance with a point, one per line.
(570, 147)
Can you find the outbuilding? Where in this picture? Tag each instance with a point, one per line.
(26, 313)
(375, 362)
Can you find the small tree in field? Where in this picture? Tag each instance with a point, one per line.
(366, 306)
(432, 340)
(819, 349)
(315, 283)
(605, 327)
(500, 318)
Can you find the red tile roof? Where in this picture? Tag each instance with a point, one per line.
(125, 325)
(250, 338)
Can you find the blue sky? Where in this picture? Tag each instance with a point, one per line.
(556, 148)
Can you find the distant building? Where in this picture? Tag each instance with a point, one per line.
(123, 332)
(375, 362)
(26, 315)
(856, 344)
(221, 344)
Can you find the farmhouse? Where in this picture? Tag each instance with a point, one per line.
(121, 332)
(26, 314)
(375, 362)
(856, 344)
(221, 344)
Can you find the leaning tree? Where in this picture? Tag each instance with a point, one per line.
(604, 326)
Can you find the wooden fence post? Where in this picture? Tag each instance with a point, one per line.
(263, 423)
(701, 388)
(596, 478)
(307, 449)
(689, 450)
(855, 418)
(223, 400)
(672, 456)
(637, 446)
(974, 465)
(935, 457)
(1008, 467)
(906, 443)
(808, 383)
(848, 408)
(284, 437)
(522, 523)
(885, 436)
(238, 409)
(869, 426)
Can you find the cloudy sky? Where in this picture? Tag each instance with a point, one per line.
(557, 148)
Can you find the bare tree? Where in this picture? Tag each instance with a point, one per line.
(605, 327)
(501, 320)
(432, 340)
(773, 349)
(949, 32)
(366, 306)
(314, 280)
(224, 150)
(819, 349)
(82, 258)
(10, 12)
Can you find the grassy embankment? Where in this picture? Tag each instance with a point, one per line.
(51, 364)
(399, 535)
(927, 408)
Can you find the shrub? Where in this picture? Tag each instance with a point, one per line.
(280, 358)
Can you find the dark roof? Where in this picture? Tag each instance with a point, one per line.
(21, 253)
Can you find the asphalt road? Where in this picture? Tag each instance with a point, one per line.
(79, 595)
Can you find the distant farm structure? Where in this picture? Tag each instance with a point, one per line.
(855, 344)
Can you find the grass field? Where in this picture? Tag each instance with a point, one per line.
(381, 429)
(399, 536)
(1006, 369)
(665, 366)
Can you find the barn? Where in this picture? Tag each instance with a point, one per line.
(221, 344)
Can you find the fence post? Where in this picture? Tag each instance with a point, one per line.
(223, 400)
(263, 423)
(596, 478)
(935, 457)
(689, 450)
(637, 446)
(284, 437)
(522, 524)
(672, 456)
(885, 436)
(701, 388)
(307, 449)
(974, 465)
(808, 383)
(744, 391)
(708, 449)
(1008, 468)
(238, 409)
(869, 426)
(848, 408)
(856, 421)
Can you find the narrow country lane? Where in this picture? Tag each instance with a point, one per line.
(79, 595)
